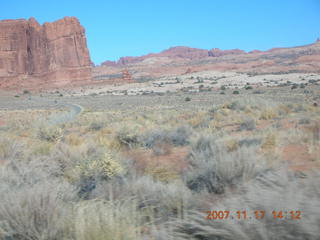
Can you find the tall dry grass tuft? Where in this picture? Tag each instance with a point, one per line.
(213, 167)
(108, 220)
(35, 202)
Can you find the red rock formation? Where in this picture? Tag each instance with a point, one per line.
(34, 56)
(109, 63)
(126, 76)
(182, 60)
(189, 70)
(185, 53)
(255, 51)
(182, 53)
(173, 53)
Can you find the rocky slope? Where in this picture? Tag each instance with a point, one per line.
(43, 56)
(183, 60)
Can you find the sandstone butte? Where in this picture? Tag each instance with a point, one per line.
(34, 56)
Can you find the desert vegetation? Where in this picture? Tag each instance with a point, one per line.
(154, 173)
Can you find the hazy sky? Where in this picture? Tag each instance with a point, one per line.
(135, 27)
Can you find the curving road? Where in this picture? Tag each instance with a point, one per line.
(74, 111)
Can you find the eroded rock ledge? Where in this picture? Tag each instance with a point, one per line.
(43, 56)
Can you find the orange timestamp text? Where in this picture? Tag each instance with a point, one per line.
(258, 214)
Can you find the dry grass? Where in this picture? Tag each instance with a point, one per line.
(139, 174)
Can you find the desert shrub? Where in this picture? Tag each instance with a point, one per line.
(36, 212)
(222, 93)
(248, 125)
(127, 138)
(178, 137)
(89, 172)
(162, 173)
(236, 92)
(10, 149)
(85, 165)
(214, 167)
(249, 142)
(187, 99)
(275, 191)
(42, 149)
(304, 121)
(268, 114)
(223, 88)
(315, 131)
(248, 87)
(269, 142)
(103, 166)
(165, 199)
(236, 105)
(298, 108)
(161, 148)
(73, 139)
(159, 200)
(257, 92)
(96, 126)
(294, 86)
(231, 145)
(50, 133)
(285, 109)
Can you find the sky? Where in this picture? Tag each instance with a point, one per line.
(117, 28)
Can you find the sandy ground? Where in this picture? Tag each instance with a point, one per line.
(193, 81)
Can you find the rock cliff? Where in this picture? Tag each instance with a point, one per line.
(43, 56)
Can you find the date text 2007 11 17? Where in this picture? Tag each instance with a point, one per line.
(245, 215)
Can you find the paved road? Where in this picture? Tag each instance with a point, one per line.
(70, 115)
(69, 110)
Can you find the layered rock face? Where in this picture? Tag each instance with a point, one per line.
(184, 60)
(181, 53)
(43, 56)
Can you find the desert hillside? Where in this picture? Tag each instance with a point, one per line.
(184, 60)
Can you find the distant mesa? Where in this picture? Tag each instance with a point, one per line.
(176, 61)
(42, 56)
(179, 52)
(109, 63)
(255, 51)
(216, 52)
